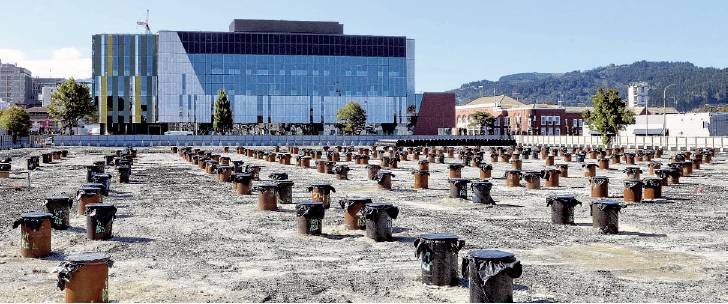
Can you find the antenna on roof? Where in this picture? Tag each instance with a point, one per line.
(145, 23)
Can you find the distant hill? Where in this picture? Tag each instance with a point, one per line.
(695, 86)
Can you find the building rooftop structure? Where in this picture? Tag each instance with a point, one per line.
(501, 101)
(654, 110)
(286, 26)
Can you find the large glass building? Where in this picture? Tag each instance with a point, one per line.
(274, 72)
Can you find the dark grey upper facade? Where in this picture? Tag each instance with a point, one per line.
(286, 26)
(16, 85)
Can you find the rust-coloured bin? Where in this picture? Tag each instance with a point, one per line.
(267, 199)
(35, 234)
(321, 192)
(85, 278)
(599, 186)
(455, 170)
(633, 190)
(353, 207)
(421, 179)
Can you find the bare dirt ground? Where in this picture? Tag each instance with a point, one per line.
(181, 235)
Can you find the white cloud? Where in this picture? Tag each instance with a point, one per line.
(63, 62)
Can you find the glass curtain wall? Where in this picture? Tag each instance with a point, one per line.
(284, 78)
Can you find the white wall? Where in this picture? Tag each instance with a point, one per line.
(680, 125)
(686, 124)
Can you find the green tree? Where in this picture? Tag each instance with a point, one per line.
(412, 116)
(483, 120)
(70, 103)
(222, 119)
(610, 114)
(16, 121)
(352, 117)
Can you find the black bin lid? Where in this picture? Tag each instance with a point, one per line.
(309, 203)
(89, 257)
(266, 184)
(379, 206)
(36, 215)
(88, 188)
(439, 236)
(99, 206)
(94, 185)
(356, 199)
(491, 254)
(284, 182)
(458, 180)
(57, 198)
(561, 197)
(481, 182)
(606, 202)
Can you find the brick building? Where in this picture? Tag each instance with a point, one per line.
(435, 111)
(513, 117)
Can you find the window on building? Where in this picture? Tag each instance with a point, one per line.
(543, 120)
(557, 131)
(557, 120)
(543, 131)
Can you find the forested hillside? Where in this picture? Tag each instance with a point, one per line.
(695, 86)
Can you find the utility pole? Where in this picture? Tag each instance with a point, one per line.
(664, 111)
(647, 116)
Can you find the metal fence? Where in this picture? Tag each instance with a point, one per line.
(6, 142)
(674, 143)
(236, 140)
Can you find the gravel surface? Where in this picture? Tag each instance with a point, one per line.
(181, 235)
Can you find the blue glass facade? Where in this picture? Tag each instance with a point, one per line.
(284, 77)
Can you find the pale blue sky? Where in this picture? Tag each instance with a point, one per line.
(456, 41)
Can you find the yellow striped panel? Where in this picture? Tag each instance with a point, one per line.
(103, 106)
(137, 99)
(110, 55)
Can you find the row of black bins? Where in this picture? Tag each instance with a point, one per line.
(481, 190)
(489, 273)
(378, 217)
(448, 142)
(604, 212)
(99, 217)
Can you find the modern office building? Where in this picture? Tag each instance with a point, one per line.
(16, 85)
(124, 76)
(274, 72)
(43, 88)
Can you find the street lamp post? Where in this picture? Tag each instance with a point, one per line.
(664, 112)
